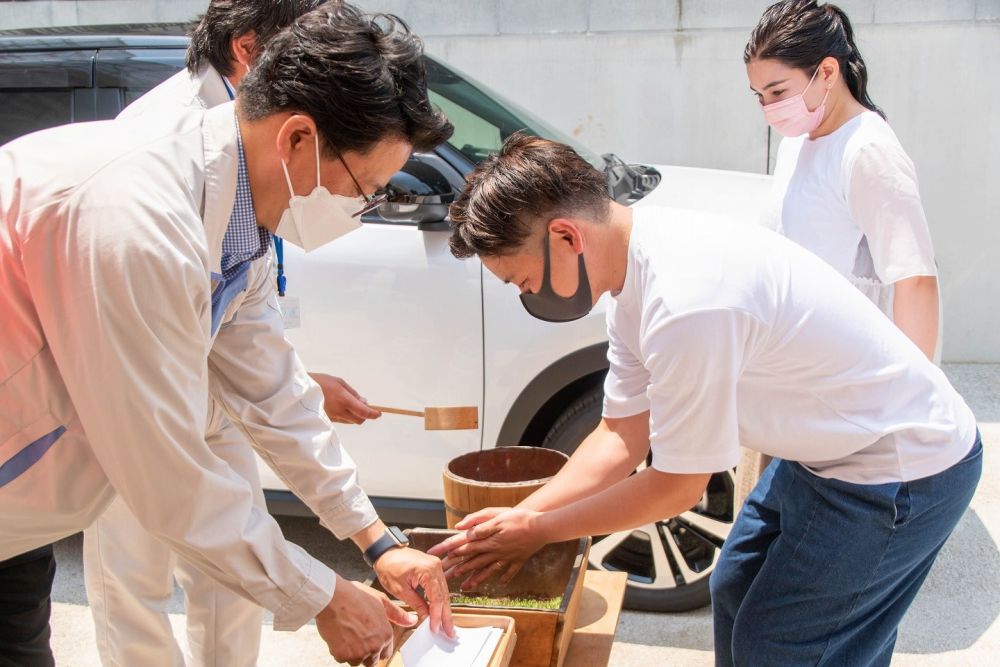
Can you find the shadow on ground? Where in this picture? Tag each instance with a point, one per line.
(978, 384)
(961, 597)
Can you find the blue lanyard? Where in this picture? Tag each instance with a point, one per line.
(279, 251)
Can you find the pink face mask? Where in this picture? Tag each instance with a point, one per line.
(792, 117)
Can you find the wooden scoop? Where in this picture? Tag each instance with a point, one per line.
(440, 419)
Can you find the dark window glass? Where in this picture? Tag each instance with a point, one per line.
(54, 69)
(25, 111)
(135, 71)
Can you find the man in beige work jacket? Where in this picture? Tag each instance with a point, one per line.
(133, 290)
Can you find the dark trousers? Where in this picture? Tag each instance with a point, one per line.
(25, 587)
(820, 571)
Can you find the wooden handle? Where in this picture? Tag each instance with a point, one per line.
(397, 411)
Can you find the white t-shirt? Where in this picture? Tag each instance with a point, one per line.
(856, 184)
(731, 334)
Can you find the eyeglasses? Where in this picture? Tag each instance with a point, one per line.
(372, 202)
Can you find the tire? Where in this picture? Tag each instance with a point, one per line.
(685, 547)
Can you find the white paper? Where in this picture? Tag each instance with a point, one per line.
(472, 647)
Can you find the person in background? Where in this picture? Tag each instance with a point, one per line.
(129, 574)
(133, 255)
(721, 334)
(844, 188)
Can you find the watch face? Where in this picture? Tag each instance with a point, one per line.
(399, 535)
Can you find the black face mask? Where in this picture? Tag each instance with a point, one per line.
(546, 305)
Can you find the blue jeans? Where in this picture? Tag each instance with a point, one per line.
(820, 571)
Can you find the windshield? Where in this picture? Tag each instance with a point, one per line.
(483, 119)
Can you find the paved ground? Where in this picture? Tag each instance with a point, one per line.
(954, 620)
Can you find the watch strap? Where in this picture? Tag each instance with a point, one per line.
(393, 537)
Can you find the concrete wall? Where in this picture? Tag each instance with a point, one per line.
(663, 81)
(46, 13)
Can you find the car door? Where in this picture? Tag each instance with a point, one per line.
(391, 311)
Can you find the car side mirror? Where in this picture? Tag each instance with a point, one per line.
(418, 193)
(421, 209)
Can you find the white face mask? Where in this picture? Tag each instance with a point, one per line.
(319, 218)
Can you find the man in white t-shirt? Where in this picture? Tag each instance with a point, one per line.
(721, 335)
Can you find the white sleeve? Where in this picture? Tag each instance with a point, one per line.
(126, 310)
(884, 200)
(627, 380)
(695, 361)
(262, 384)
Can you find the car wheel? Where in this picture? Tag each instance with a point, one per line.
(668, 563)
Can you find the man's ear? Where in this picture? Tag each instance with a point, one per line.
(297, 133)
(567, 230)
(243, 48)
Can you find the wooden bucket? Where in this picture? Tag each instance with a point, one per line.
(500, 477)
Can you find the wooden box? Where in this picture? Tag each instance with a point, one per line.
(501, 655)
(543, 635)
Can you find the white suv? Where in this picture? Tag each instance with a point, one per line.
(391, 311)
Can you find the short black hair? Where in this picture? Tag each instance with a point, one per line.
(226, 19)
(530, 180)
(360, 77)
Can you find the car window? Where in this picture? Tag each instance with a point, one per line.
(25, 111)
(46, 69)
(37, 89)
(475, 137)
(483, 119)
(135, 71)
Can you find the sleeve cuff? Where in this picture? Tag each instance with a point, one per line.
(312, 597)
(894, 274)
(353, 513)
(615, 408)
(690, 466)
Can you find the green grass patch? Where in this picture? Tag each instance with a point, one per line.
(522, 603)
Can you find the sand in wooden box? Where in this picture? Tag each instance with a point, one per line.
(557, 570)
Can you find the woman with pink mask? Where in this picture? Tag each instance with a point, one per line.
(844, 187)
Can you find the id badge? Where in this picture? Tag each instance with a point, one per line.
(291, 313)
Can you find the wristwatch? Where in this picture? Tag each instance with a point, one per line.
(392, 538)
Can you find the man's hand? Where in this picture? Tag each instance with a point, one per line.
(342, 404)
(443, 548)
(498, 545)
(355, 625)
(403, 571)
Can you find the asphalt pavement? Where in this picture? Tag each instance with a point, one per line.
(953, 621)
